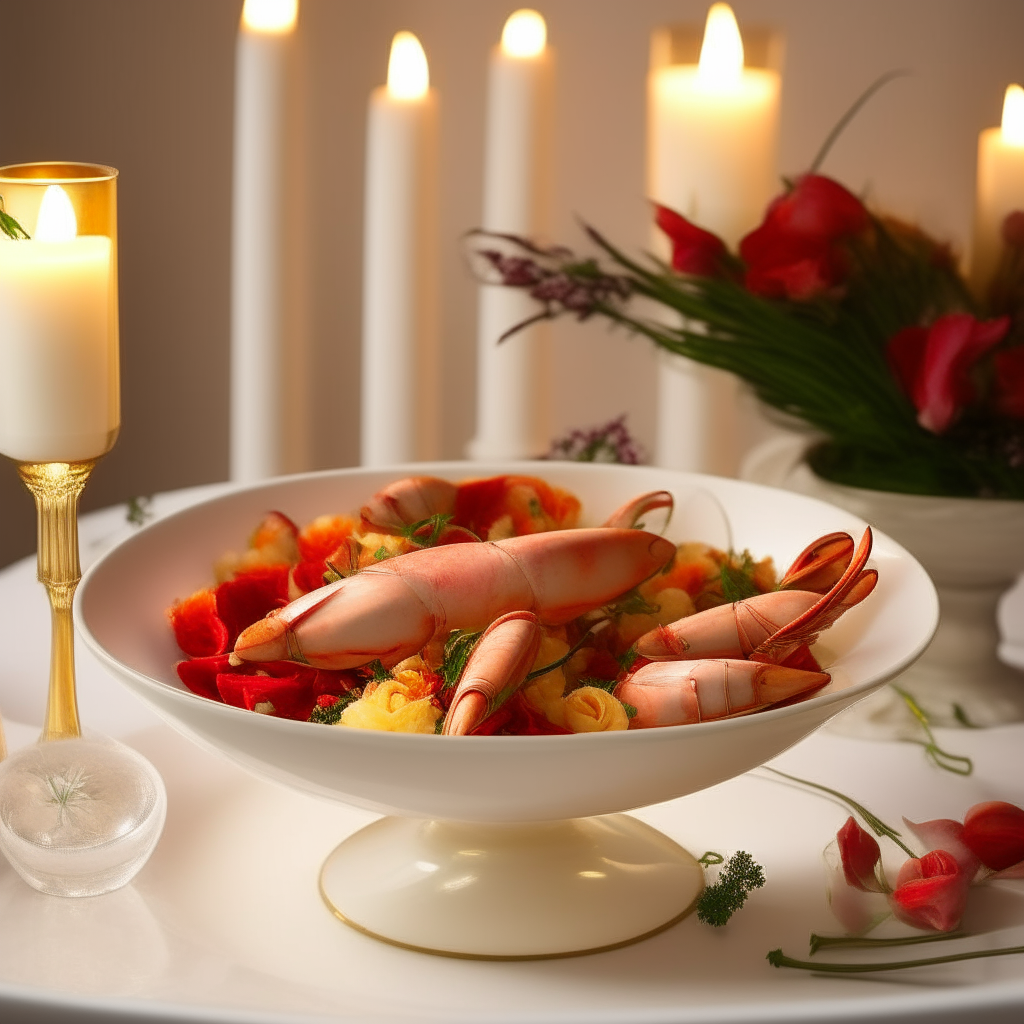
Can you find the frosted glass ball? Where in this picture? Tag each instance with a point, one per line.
(79, 817)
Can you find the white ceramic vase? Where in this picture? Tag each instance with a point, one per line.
(973, 549)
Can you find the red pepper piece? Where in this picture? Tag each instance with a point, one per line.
(200, 674)
(292, 696)
(322, 536)
(309, 575)
(198, 627)
(249, 596)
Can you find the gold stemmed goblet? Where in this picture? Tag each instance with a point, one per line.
(79, 816)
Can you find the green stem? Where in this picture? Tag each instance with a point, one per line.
(859, 942)
(779, 959)
(850, 115)
(939, 757)
(545, 669)
(880, 828)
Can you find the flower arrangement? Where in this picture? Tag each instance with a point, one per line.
(855, 323)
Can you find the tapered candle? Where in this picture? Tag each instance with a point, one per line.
(59, 395)
(400, 363)
(1000, 187)
(511, 421)
(712, 140)
(265, 411)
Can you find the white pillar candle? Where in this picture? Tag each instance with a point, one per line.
(59, 396)
(400, 359)
(1000, 187)
(266, 414)
(712, 140)
(511, 419)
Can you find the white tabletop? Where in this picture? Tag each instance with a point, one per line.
(225, 922)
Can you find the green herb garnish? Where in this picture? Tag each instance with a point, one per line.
(718, 902)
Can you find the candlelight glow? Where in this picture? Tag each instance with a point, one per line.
(56, 221)
(721, 53)
(1013, 116)
(525, 34)
(270, 15)
(408, 74)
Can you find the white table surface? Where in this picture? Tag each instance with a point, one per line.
(225, 922)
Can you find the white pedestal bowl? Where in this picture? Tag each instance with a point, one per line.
(501, 847)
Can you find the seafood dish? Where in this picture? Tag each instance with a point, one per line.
(482, 608)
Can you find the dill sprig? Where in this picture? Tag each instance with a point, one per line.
(457, 649)
(9, 226)
(737, 577)
(719, 901)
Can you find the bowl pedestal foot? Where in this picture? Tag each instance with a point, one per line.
(510, 891)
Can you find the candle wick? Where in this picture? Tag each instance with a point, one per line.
(850, 114)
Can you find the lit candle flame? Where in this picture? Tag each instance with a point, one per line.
(721, 53)
(270, 15)
(525, 34)
(56, 221)
(408, 74)
(1013, 116)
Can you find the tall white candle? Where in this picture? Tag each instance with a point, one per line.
(400, 362)
(59, 395)
(712, 140)
(1000, 187)
(511, 420)
(266, 414)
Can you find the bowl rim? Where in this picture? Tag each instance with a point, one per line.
(840, 697)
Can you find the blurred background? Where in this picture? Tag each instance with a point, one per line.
(146, 86)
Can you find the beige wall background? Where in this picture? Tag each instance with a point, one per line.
(146, 85)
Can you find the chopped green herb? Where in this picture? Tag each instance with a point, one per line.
(633, 603)
(710, 858)
(381, 553)
(378, 672)
(329, 713)
(631, 711)
(535, 510)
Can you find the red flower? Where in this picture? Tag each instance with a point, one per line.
(860, 854)
(797, 252)
(1009, 386)
(995, 833)
(694, 250)
(931, 892)
(932, 364)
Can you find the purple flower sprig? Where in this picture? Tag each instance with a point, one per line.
(609, 443)
(552, 276)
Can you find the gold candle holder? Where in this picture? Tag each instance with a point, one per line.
(59, 378)
(62, 803)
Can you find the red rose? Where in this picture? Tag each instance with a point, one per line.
(694, 250)
(797, 251)
(1009, 386)
(932, 364)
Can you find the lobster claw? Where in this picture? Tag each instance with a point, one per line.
(820, 565)
(687, 692)
(496, 669)
(850, 589)
(628, 516)
(409, 501)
